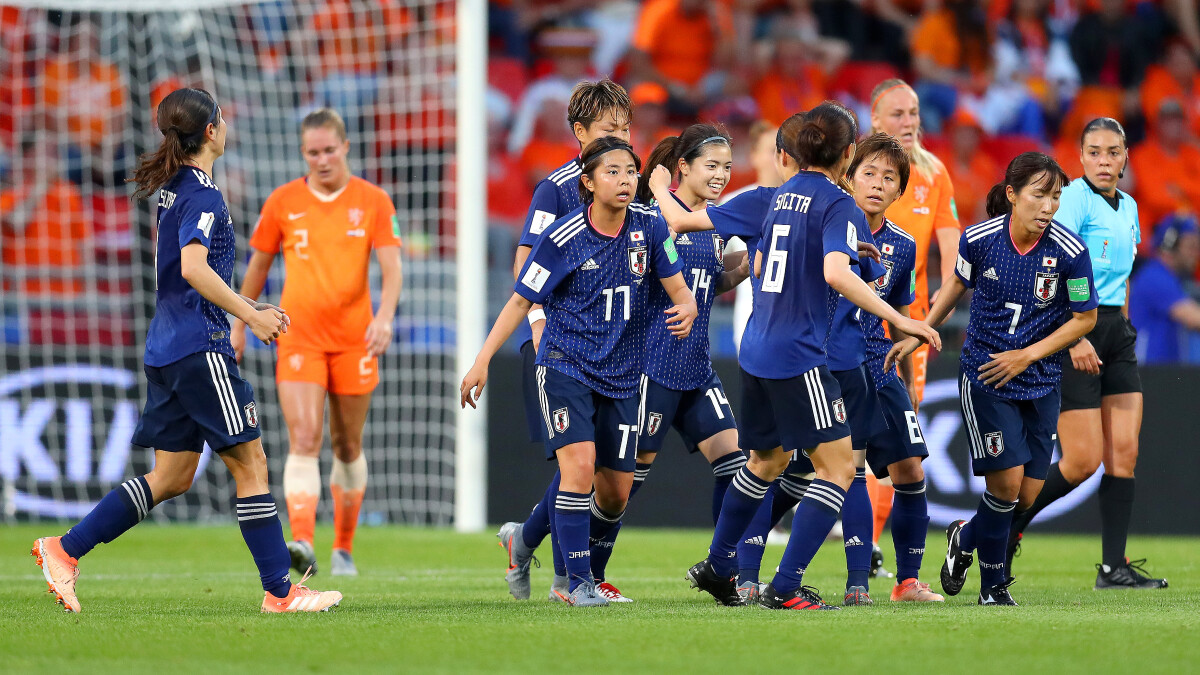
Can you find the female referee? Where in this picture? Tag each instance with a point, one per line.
(195, 394)
(326, 224)
(588, 270)
(1101, 390)
(1034, 296)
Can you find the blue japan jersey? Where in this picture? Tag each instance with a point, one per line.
(742, 217)
(809, 218)
(846, 345)
(595, 291)
(1021, 298)
(897, 287)
(190, 209)
(554, 196)
(684, 365)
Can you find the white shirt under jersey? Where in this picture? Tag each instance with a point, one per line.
(743, 301)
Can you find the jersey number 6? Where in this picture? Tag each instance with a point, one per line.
(776, 260)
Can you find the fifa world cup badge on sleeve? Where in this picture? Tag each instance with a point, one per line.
(535, 277)
(1078, 291)
(669, 247)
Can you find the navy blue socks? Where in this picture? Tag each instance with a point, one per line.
(741, 503)
(603, 528)
(537, 525)
(259, 520)
(858, 522)
(814, 518)
(122, 508)
(724, 469)
(991, 523)
(572, 512)
(910, 524)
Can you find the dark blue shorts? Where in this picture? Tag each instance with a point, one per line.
(1003, 433)
(863, 412)
(573, 413)
(798, 413)
(903, 438)
(697, 415)
(199, 398)
(533, 409)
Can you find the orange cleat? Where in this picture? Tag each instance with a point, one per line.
(60, 570)
(911, 590)
(301, 599)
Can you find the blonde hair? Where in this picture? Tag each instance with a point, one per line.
(925, 162)
(324, 117)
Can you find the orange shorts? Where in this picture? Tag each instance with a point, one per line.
(350, 372)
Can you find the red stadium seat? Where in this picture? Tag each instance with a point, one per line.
(1003, 148)
(858, 78)
(508, 75)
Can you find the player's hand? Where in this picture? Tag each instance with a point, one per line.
(1004, 367)
(900, 350)
(379, 335)
(911, 388)
(660, 178)
(920, 330)
(682, 316)
(866, 248)
(744, 267)
(536, 328)
(237, 338)
(475, 380)
(268, 324)
(1085, 359)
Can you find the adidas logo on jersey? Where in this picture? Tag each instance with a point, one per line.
(755, 541)
(854, 541)
(589, 265)
(991, 274)
(682, 240)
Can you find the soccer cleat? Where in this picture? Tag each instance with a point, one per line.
(611, 593)
(341, 564)
(301, 599)
(1129, 575)
(304, 558)
(877, 569)
(857, 595)
(724, 589)
(560, 589)
(1014, 550)
(911, 590)
(805, 597)
(954, 569)
(749, 591)
(518, 565)
(998, 595)
(60, 570)
(585, 595)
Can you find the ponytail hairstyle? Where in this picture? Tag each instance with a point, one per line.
(1107, 124)
(823, 136)
(686, 146)
(887, 147)
(924, 161)
(1022, 171)
(183, 118)
(593, 153)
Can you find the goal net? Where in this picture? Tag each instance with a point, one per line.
(77, 95)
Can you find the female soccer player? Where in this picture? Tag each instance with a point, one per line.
(195, 393)
(1034, 296)
(326, 224)
(588, 270)
(790, 399)
(926, 211)
(1101, 390)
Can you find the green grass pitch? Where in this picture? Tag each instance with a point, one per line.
(181, 599)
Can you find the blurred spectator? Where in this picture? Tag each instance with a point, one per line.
(792, 83)
(615, 20)
(1109, 45)
(800, 22)
(351, 36)
(551, 145)
(1165, 166)
(43, 231)
(1159, 307)
(650, 118)
(972, 171)
(508, 190)
(1178, 78)
(950, 55)
(569, 51)
(684, 45)
(1028, 52)
(84, 93)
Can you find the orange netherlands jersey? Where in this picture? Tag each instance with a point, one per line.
(926, 206)
(326, 245)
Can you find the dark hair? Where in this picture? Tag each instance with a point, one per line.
(1105, 124)
(887, 147)
(1021, 171)
(590, 159)
(183, 118)
(822, 135)
(591, 100)
(686, 146)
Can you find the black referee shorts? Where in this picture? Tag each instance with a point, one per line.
(1114, 338)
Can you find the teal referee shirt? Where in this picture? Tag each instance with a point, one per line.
(1110, 229)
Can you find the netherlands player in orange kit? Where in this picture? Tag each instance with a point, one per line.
(326, 225)
(926, 210)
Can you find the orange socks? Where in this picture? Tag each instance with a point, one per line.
(302, 490)
(347, 484)
(881, 503)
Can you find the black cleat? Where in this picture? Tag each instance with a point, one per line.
(724, 589)
(954, 569)
(998, 595)
(877, 569)
(805, 597)
(1014, 551)
(1129, 575)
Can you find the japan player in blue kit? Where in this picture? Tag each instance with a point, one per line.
(591, 270)
(596, 110)
(1034, 296)
(195, 394)
(790, 401)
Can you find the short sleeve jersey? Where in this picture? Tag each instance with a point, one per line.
(1155, 291)
(326, 244)
(1111, 235)
(1021, 298)
(897, 287)
(595, 292)
(846, 345)
(190, 210)
(809, 218)
(742, 217)
(684, 365)
(555, 196)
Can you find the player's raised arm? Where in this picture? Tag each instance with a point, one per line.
(266, 324)
(844, 280)
(679, 218)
